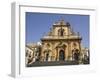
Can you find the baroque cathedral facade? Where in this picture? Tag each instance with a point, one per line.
(61, 43)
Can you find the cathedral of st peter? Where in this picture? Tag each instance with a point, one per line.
(61, 43)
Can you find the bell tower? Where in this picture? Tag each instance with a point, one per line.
(61, 28)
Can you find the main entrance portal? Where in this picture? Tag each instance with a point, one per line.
(61, 55)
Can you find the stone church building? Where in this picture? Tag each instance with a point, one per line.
(61, 43)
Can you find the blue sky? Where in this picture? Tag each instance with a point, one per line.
(37, 24)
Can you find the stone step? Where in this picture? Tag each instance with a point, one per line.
(54, 63)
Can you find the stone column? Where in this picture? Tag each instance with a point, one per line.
(69, 51)
(57, 54)
(66, 53)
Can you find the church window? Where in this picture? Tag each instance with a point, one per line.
(61, 32)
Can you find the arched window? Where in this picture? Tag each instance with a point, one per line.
(61, 32)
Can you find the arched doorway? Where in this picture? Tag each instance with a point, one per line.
(47, 56)
(75, 54)
(61, 55)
